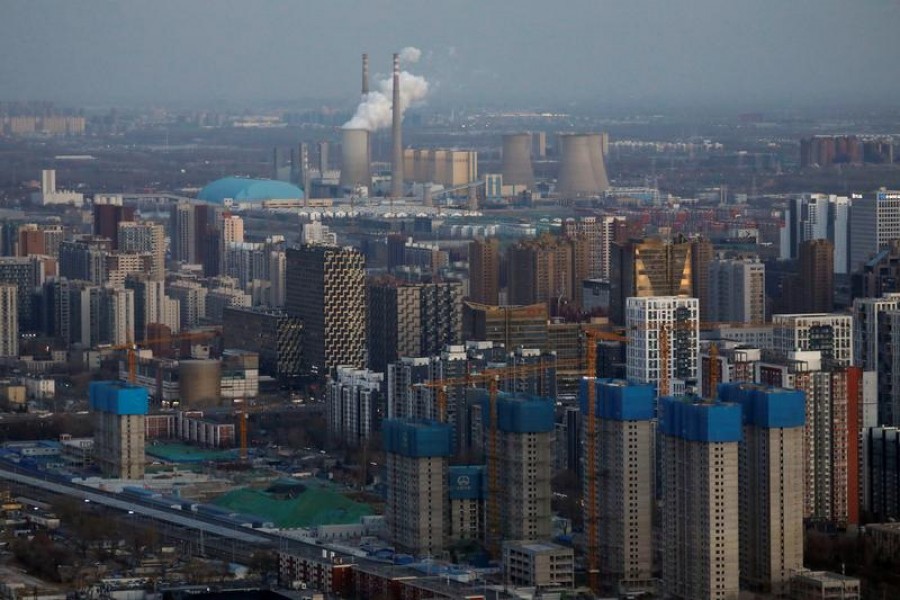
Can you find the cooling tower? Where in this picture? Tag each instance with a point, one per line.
(576, 171)
(396, 136)
(516, 168)
(355, 168)
(597, 159)
(199, 383)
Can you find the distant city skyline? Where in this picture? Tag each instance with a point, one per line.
(606, 54)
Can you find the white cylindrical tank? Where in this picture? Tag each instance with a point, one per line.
(355, 165)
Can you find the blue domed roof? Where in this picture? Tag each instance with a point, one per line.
(242, 189)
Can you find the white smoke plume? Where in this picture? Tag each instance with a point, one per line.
(410, 55)
(374, 111)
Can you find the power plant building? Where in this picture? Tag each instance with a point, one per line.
(582, 169)
(449, 168)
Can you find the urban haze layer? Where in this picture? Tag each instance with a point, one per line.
(428, 326)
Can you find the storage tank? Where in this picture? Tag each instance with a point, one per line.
(516, 166)
(199, 383)
(355, 167)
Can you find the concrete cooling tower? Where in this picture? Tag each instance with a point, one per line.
(355, 169)
(199, 383)
(582, 171)
(516, 168)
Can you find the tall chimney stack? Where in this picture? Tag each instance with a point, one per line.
(365, 74)
(397, 137)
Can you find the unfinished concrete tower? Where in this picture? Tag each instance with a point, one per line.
(396, 136)
(516, 168)
(355, 166)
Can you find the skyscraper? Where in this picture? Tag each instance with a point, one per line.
(830, 334)
(651, 267)
(664, 340)
(875, 344)
(702, 254)
(107, 218)
(547, 269)
(484, 271)
(737, 291)
(145, 237)
(415, 511)
(524, 464)
(411, 319)
(815, 292)
(874, 222)
(182, 233)
(9, 320)
(624, 475)
(771, 485)
(119, 413)
(326, 288)
(818, 217)
(698, 442)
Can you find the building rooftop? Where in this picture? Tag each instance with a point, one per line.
(242, 189)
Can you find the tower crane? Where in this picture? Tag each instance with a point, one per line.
(131, 347)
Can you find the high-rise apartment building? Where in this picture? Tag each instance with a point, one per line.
(818, 217)
(512, 326)
(814, 292)
(119, 434)
(830, 334)
(26, 273)
(651, 267)
(840, 404)
(600, 233)
(484, 271)
(152, 305)
(182, 233)
(699, 462)
(191, 297)
(39, 239)
(623, 481)
(9, 320)
(411, 319)
(84, 259)
(702, 253)
(737, 291)
(276, 336)
(415, 512)
(145, 237)
(879, 275)
(109, 213)
(664, 340)
(524, 465)
(875, 337)
(547, 270)
(874, 222)
(467, 487)
(326, 288)
(354, 405)
(771, 485)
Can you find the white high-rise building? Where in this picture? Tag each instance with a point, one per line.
(829, 333)
(649, 322)
(737, 291)
(9, 320)
(875, 221)
(352, 400)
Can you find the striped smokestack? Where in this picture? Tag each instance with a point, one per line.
(397, 136)
(365, 74)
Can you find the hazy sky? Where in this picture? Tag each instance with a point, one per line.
(609, 52)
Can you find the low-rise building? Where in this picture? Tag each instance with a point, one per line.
(542, 565)
(824, 585)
